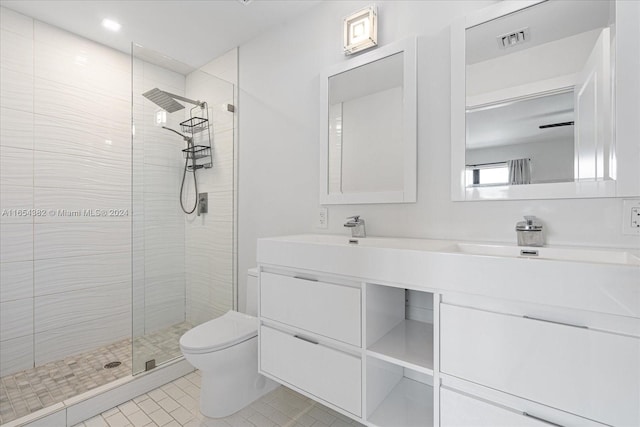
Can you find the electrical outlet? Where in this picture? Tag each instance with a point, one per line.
(323, 218)
(631, 216)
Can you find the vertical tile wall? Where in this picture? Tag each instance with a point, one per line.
(65, 281)
(209, 238)
(65, 147)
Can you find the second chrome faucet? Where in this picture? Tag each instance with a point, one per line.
(357, 226)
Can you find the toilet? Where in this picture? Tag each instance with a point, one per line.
(225, 350)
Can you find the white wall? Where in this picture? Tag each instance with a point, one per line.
(279, 129)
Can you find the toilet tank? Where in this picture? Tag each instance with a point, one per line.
(252, 292)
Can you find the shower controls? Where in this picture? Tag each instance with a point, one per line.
(203, 203)
(194, 129)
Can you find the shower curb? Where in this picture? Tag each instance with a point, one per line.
(86, 405)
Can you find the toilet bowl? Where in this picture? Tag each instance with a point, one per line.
(225, 350)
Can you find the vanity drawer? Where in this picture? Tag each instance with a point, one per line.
(326, 373)
(459, 409)
(323, 308)
(589, 373)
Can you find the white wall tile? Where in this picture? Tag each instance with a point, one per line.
(14, 199)
(16, 280)
(221, 296)
(68, 171)
(164, 76)
(162, 206)
(16, 90)
(17, 128)
(164, 247)
(164, 301)
(77, 239)
(16, 319)
(16, 22)
(16, 242)
(83, 106)
(98, 69)
(66, 309)
(101, 140)
(16, 355)
(16, 52)
(16, 166)
(72, 201)
(161, 179)
(81, 272)
(56, 344)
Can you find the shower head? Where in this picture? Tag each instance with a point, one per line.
(167, 101)
(163, 100)
(185, 137)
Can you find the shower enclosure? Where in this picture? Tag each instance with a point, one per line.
(101, 271)
(182, 189)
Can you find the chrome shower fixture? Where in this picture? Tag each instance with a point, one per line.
(167, 101)
(185, 137)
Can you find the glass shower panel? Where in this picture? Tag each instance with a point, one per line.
(183, 151)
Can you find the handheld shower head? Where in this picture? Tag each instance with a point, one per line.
(185, 137)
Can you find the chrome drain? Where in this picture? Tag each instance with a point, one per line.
(112, 365)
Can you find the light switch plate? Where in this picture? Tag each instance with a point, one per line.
(631, 217)
(323, 218)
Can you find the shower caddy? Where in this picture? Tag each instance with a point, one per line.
(200, 156)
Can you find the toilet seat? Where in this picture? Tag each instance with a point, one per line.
(217, 334)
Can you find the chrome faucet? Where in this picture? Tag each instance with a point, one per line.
(529, 232)
(356, 225)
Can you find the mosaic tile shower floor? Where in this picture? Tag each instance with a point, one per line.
(33, 389)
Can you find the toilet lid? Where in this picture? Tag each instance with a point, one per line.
(225, 331)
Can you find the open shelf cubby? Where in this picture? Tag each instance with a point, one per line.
(400, 327)
(399, 361)
(409, 344)
(398, 396)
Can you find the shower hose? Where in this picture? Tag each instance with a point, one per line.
(184, 175)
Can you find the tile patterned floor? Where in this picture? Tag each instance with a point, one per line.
(177, 405)
(30, 390)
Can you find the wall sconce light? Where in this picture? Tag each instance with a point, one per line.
(361, 30)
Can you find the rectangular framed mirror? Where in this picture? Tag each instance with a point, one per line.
(541, 93)
(368, 127)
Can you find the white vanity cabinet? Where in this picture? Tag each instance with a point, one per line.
(578, 368)
(328, 309)
(397, 333)
(365, 350)
(310, 336)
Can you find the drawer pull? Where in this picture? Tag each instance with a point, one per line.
(305, 278)
(556, 322)
(309, 340)
(541, 420)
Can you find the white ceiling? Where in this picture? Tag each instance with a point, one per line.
(518, 122)
(190, 31)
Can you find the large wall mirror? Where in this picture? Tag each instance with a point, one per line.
(368, 128)
(534, 113)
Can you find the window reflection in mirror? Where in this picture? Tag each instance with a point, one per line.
(365, 128)
(538, 95)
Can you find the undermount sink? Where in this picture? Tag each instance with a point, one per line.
(602, 256)
(575, 254)
(370, 242)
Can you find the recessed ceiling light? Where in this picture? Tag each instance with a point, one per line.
(111, 24)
